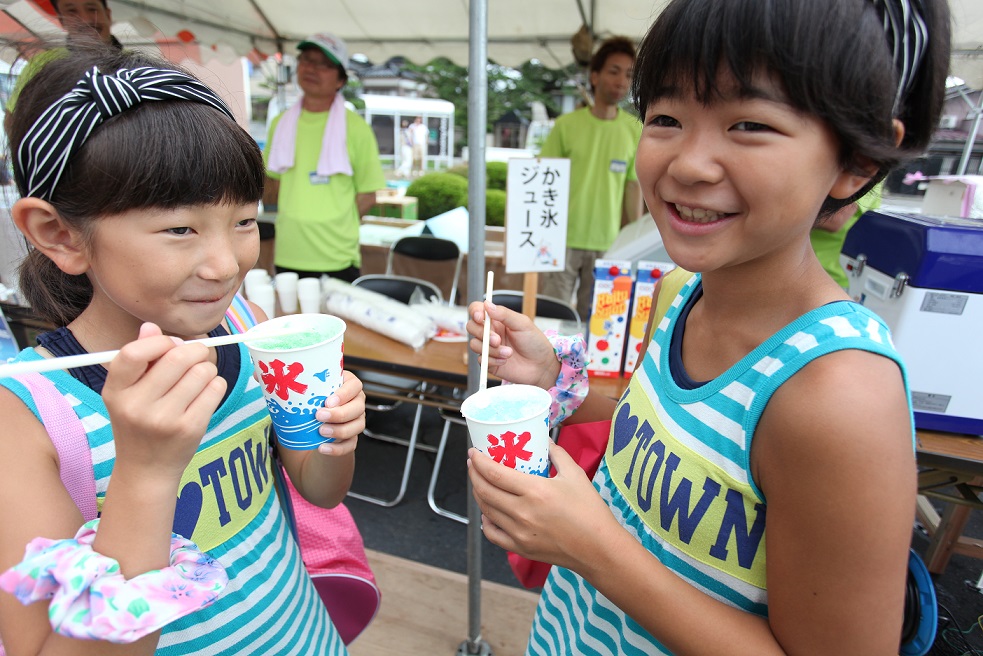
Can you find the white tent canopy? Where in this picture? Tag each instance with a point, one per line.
(518, 30)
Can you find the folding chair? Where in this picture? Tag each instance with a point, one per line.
(429, 249)
(546, 306)
(400, 288)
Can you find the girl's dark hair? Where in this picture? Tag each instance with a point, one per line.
(159, 154)
(831, 57)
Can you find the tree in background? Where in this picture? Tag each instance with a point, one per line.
(508, 88)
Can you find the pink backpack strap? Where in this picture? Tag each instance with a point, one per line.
(68, 435)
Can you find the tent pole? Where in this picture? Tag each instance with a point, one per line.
(977, 113)
(477, 121)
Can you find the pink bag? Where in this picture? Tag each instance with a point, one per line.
(334, 555)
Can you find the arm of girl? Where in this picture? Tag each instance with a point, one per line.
(172, 396)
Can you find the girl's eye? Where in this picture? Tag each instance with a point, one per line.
(663, 121)
(247, 223)
(751, 126)
(179, 231)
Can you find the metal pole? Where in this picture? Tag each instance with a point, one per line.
(477, 120)
(971, 139)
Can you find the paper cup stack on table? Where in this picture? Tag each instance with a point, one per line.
(255, 278)
(286, 291)
(510, 424)
(377, 312)
(298, 373)
(309, 295)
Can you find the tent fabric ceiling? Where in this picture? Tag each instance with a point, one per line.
(518, 30)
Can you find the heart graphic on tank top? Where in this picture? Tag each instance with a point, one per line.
(625, 426)
(188, 509)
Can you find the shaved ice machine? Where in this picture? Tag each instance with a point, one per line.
(924, 276)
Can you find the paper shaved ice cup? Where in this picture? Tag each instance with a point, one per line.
(298, 373)
(510, 424)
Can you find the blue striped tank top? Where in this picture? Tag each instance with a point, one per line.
(677, 476)
(227, 505)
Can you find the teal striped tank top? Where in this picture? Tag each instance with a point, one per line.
(677, 476)
(228, 506)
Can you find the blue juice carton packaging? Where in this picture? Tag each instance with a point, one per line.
(608, 322)
(647, 276)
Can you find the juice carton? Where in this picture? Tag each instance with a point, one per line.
(608, 323)
(648, 274)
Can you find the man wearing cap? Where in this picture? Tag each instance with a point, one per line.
(323, 169)
(83, 20)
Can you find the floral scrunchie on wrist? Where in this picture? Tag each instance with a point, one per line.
(92, 600)
(571, 385)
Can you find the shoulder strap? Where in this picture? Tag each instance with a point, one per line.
(239, 315)
(665, 293)
(241, 318)
(68, 436)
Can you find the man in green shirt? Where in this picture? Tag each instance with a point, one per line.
(600, 142)
(322, 175)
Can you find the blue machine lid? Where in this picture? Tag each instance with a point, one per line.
(942, 253)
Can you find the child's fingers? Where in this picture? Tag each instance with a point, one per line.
(498, 478)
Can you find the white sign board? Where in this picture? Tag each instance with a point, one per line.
(536, 215)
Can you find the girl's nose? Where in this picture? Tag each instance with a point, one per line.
(219, 263)
(696, 160)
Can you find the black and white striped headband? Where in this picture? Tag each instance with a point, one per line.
(907, 36)
(61, 130)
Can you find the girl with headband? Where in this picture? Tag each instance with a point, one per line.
(758, 490)
(139, 197)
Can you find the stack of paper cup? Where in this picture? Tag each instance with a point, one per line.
(286, 290)
(262, 294)
(255, 277)
(309, 295)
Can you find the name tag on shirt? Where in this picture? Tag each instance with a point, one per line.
(318, 179)
(619, 166)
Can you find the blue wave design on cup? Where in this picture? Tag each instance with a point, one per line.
(296, 427)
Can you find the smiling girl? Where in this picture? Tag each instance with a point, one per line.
(139, 197)
(758, 489)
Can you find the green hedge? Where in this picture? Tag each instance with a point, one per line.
(496, 176)
(437, 193)
(495, 207)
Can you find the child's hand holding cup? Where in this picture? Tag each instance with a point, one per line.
(298, 372)
(510, 424)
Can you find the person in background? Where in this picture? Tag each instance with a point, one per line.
(191, 553)
(405, 150)
(323, 169)
(758, 488)
(600, 141)
(829, 233)
(420, 138)
(84, 21)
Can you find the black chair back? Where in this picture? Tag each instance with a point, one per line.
(399, 288)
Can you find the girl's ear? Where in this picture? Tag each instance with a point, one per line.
(849, 183)
(40, 222)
